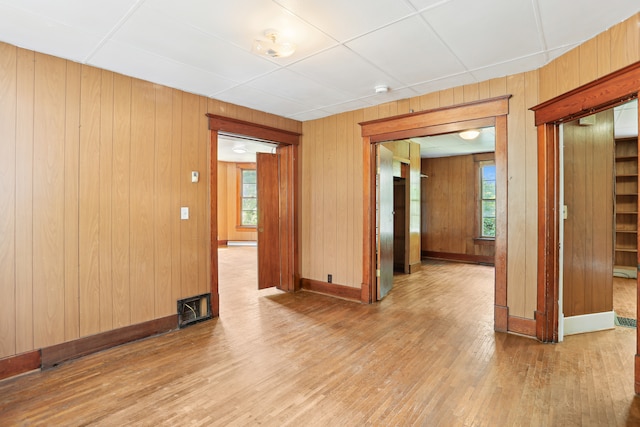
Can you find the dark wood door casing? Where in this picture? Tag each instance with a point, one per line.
(489, 112)
(289, 142)
(604, 93)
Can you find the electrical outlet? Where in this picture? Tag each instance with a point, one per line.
(329, 278)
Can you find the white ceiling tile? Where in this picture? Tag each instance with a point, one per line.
(96, 17)
(350, 105)
(157, 69)
(407, 50)
(310, 115)
(342, 69)
(161, 34)
(425, 4)
(254, 98)
(444, 83)
(36, 32)
(560, 19)
(519, 65)
(240, 22)
(392, 95)
(297, 88)
(355, 17)
(481, 38)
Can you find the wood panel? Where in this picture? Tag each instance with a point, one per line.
(48, 200)
(24, 201)
(8, 86)
(165, 305)
(89, 208)
(142, 292)
(121, 197)
(588, 252)
(106, 207)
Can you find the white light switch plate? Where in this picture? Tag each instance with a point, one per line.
(184, 213)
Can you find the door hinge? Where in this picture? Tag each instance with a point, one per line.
(377, 273)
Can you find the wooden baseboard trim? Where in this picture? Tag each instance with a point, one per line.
(476, 259)
(500, 318)
(340, 291)
(56, 354)
(416, 266)
(19, 364)
(222, 242)
(520, 325)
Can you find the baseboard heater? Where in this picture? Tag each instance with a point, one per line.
(194, 309)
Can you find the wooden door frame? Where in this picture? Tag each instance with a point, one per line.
(489, 112)
(603, 93)
(288, 149)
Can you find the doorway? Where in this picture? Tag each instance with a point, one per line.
(491, 112)
(598, 224)
(286, 261)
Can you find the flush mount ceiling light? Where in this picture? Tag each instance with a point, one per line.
(239, 149)
(272, 47)
(381, 89)
(469, 134)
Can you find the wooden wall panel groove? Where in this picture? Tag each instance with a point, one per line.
(176, 185)
(8, 115)
(24, 200)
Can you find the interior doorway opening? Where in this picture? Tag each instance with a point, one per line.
(598, 222)
(276, 230)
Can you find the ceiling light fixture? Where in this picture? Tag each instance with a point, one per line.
(271, 47)
(469, 134)
(239, 149)
(381, 89)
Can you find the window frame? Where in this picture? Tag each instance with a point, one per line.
(240, 167)
(482, 160)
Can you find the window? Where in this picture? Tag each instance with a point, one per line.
(247, 196)
(487, 200)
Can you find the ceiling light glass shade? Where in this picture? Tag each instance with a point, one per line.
(469, 134)
(271, 47)
(239, 150)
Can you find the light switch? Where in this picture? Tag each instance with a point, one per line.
(184, 212)
(195, 176)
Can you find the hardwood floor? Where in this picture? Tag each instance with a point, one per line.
(624, 297)
(426, 355)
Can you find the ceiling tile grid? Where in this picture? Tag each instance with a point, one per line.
(344, 48)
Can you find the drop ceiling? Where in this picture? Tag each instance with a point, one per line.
(345, 48)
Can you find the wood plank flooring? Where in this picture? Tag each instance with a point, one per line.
(426, 355)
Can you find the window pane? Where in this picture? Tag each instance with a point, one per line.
(489, 173)
(488, 209)
(249, 190)
(249, 218)
(489, 190)
(249, 204)
(249, 176)
(488, 227)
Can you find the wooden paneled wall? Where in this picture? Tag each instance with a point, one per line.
(450, 207)
(227, 205)
(94, 167)
(332, 146)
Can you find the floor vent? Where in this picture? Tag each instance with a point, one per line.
(194, 309)
(626, 322)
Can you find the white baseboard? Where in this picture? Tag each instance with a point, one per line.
(589, 323)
